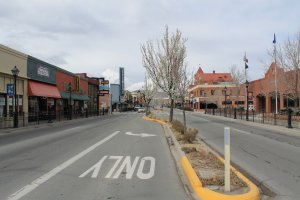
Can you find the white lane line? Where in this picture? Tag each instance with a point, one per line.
(241, 131)
(37, 182)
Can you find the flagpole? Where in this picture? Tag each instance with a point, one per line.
(246, 87)
(275, 71)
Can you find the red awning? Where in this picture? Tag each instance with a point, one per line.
(42, 90)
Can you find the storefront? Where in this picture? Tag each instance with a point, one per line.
(10, 58)
(42, 90)
(74, 93)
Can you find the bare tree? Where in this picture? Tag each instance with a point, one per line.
(238, 76)
(148, 93)
(184, 80)
(163, 61)
(289, 59)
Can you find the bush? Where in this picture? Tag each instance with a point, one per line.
(188, 149)
(178, 126)
(190, 135)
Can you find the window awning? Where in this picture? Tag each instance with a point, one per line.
(74, 96)
(42, 90)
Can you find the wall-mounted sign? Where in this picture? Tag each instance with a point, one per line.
(103, 92)
(104, 82)
(77, 83)
(43, 71)
(10, 90)
(103, 87)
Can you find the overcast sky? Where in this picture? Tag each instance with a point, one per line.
(99, 36)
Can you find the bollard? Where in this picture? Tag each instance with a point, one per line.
(289, 118)
(234, 113)
(263, 116)
(227, 158)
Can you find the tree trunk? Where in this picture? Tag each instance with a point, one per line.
(184, 120)
(171, 110)
(147, 109)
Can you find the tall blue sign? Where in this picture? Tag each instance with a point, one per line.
(10, 90)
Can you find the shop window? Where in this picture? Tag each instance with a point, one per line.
(2, 105)
(2, 83)
(20, 102)
(32, 105)
(202, 93)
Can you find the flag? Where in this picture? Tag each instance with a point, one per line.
(245, 58)
(274, 40)
(246, 66)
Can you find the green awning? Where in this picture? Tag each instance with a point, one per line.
(66, 95)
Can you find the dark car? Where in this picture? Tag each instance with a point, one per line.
(285, 111)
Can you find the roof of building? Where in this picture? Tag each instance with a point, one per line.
(202, 77)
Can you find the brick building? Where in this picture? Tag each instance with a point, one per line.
(264, 91)
(209, 91)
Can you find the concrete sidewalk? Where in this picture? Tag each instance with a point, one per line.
(269, 127)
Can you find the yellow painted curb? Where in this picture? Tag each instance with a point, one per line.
(206, 194)
(154, 120)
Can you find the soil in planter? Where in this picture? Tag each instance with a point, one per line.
(209, 168)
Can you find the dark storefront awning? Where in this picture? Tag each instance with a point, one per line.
(42, 90)
(66, 95)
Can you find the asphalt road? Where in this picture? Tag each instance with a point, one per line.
(119, 157)
(270, 154)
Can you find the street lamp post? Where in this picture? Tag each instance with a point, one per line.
(247, 101)
(70, 99)
(225, 103)
(15, 71)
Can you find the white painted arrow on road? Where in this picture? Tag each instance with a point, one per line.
(140, 135)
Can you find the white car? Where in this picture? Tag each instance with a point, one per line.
(251, 107)
(141, 110)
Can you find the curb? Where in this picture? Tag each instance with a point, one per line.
(205, 193)
(6, 131)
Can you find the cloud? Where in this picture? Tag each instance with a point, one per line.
(97, 37)
(111, 75)
(135, 86)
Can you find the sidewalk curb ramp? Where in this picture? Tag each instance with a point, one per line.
(205, 193)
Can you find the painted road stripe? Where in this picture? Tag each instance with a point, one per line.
(241, 131)
(37, 182)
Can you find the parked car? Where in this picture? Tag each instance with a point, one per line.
(141, 110)
(284, 111)
(240, 108)
(251, 107)
(136, 108)
(297, 112)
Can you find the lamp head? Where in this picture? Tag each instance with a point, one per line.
(247, 83)
(15, 71)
